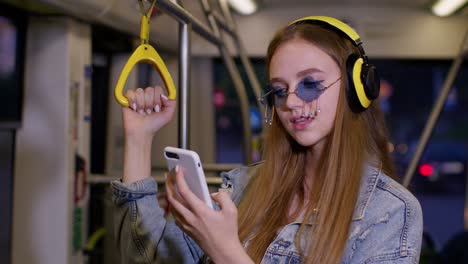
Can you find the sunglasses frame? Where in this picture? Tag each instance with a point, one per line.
(269, 100)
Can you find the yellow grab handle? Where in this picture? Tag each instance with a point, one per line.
(144, 53)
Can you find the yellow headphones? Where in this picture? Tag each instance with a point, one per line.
(363, 79)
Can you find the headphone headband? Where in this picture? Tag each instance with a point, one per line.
(348, 31)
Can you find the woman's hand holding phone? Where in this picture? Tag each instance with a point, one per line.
(215, 231)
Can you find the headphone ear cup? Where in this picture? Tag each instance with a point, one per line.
(353, 68)
(363, 83)
(371, 81)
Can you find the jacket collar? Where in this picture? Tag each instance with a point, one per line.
(369, 180)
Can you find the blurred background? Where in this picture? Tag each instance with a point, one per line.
(61, 140)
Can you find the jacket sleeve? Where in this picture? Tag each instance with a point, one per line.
(142, 233)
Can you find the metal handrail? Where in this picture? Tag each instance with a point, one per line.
(106, 179)
(236, 79)
(253, 80)
(207, 167)
(181, 15)
(211, 167)
(438, 106)
(224, 25)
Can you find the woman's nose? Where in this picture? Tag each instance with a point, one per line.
(293, 101)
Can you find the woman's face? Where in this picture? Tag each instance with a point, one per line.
(297, 61)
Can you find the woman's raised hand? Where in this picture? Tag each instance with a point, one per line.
(149, 110)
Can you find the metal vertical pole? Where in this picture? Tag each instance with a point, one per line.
(465, 211)
(238, 83)
(184, 84)
(426, 134)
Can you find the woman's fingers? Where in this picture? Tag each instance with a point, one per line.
(140, 100)
(225, 202)
(170, 186)
(162, 104)
(182, 211)
(131, 97)
(157, 98)
(149, 95)
(153, 108)
(193, 201)
(151, 99)
(168, 107)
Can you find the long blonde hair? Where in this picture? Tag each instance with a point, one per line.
(354, 140)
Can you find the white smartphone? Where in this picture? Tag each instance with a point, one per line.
(194, 175)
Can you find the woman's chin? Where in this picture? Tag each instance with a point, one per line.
(308, 141)
(305, 141)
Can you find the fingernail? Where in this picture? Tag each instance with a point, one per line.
(177, 168)
(165, 176)
(134, 106)
(148, 111)
(141, 112)
(164, 97)
(157, 108)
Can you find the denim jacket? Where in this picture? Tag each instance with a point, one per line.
(386, 225)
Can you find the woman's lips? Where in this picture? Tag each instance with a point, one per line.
(300, 123)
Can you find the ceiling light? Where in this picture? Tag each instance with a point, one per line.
(244, 7)
(447, 7)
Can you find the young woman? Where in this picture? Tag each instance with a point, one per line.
(324, 193)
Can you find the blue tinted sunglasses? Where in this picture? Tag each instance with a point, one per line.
(308, 90)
